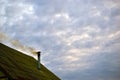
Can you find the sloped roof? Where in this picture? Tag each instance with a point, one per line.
(19, 66)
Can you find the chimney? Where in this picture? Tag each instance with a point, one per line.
(38, 64)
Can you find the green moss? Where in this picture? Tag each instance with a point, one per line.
(20, 66)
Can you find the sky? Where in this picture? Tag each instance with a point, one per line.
(79, 39)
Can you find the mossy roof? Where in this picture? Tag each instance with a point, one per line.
(19, 66)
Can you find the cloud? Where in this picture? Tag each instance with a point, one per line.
(78, 38)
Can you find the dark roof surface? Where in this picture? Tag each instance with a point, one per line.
(19, 66)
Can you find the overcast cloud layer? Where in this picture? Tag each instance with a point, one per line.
(79, 39)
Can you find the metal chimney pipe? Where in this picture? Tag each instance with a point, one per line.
(38, 64)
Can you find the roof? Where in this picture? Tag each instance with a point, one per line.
(19, 66)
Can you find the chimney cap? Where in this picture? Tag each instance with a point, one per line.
(38, 52)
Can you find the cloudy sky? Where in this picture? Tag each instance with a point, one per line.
(79, 39)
